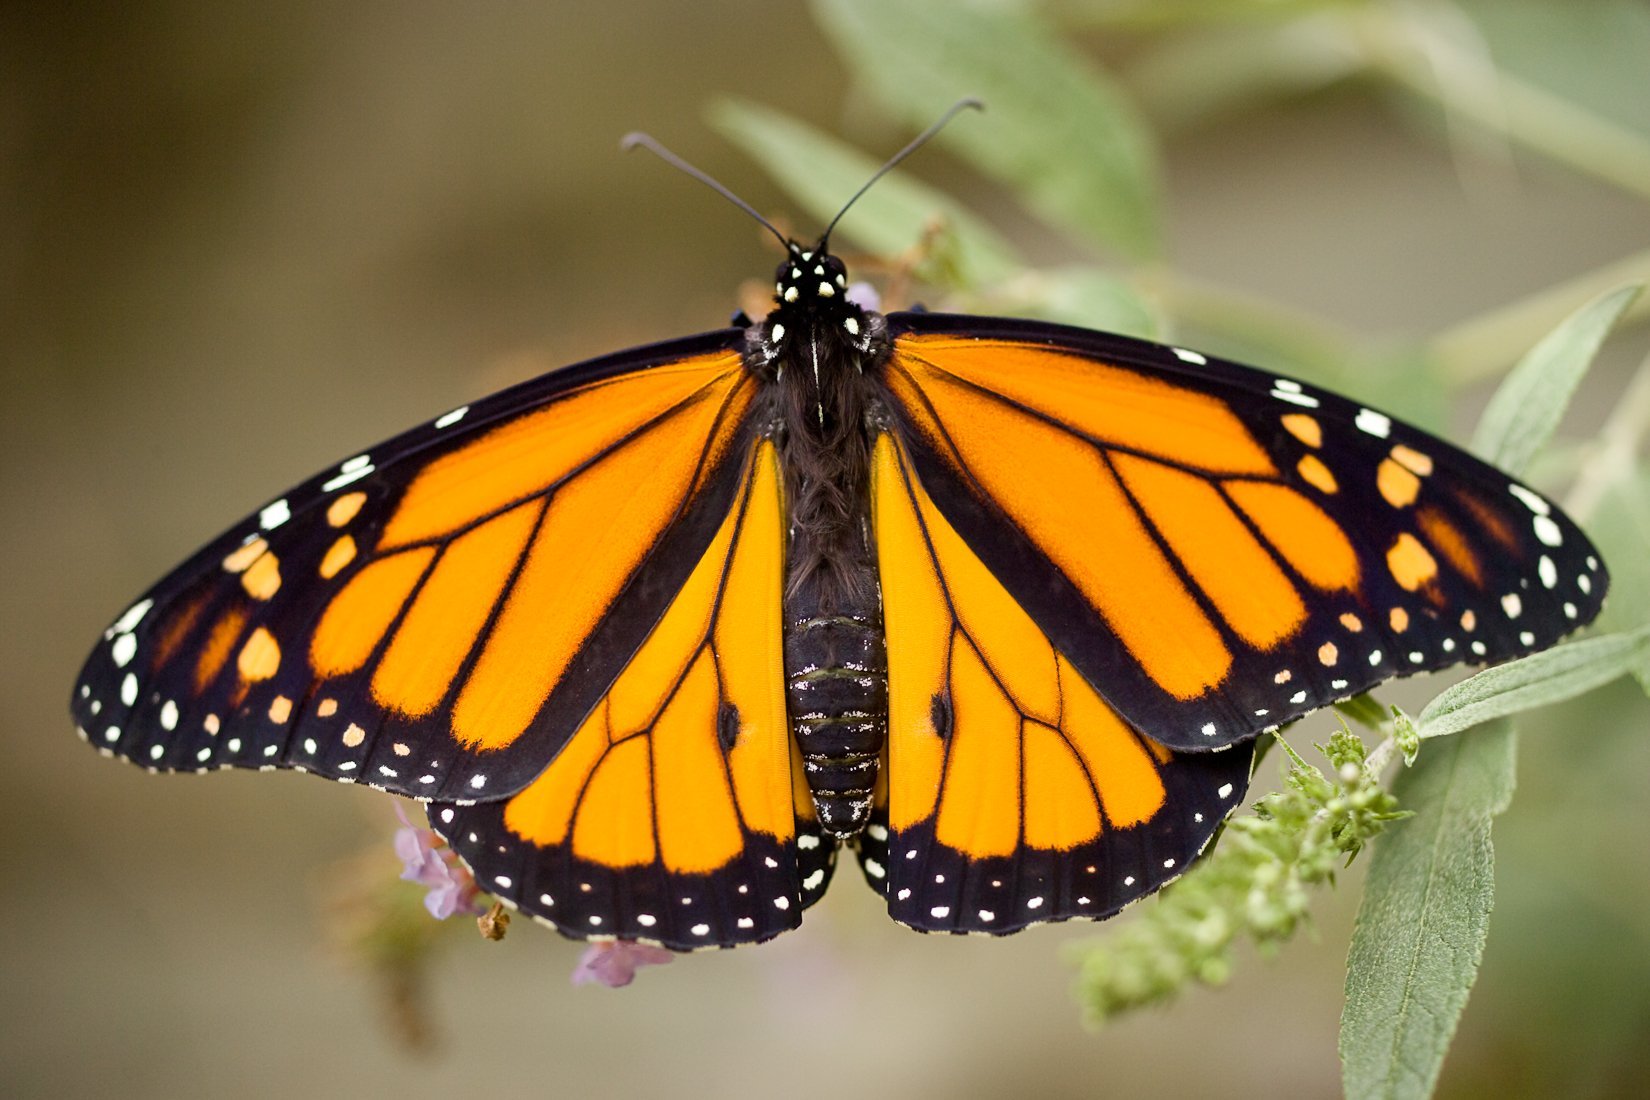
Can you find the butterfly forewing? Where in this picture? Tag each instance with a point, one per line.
(1216, 550)
(676, 814)
(437, 615)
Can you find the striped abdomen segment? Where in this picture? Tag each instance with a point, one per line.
(836, 683)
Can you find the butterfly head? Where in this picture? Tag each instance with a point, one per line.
(809, 278)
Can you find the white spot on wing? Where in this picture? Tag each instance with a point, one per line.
(1188, 356)
(123, 650)
(1374, 423)
(1531, 500)
(133, 616)
(274, 515)
(452, 418)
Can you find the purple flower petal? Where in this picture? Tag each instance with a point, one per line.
(614, 963)
(865, 296)
(428, 862)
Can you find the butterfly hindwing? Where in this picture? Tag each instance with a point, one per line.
(437, 615)
(676, 814)
(1215, 549)
(1014, 794)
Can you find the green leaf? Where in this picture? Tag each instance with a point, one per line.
(1528, 405)
(1055, 128)
(891, 218)
(1550, 676)
(1074, 295)
(1424, 916)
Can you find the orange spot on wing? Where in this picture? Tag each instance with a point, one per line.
(1398, 485)
(599, 527)
(1449, 541)
(245, 556)
(528, 455)
(220, 642)
(1410, 564)
(362, 611)
(338, 555)
(1398, 619)
(1352, 622)
(260, 657)
(262, 578)
(1237, 573)
(1304, 428)
(980, 802)
(1060, 807)
(1316, 474)
(1115, 405)
(1411, 459)
(1300, 531)
(344, 508)
(445, 620)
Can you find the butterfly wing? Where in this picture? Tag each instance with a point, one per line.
(1014, 795)
(677, 814)
(437, 615)
(1218, 550)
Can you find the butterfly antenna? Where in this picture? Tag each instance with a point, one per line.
(916, 143)
(646, 141)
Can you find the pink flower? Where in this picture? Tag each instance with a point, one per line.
(614, 962)
(427, 861)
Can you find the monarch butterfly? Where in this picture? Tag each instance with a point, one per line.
(1000, 605)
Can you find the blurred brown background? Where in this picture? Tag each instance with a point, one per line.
(238, 243)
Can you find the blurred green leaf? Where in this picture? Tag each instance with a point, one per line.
(1550, 676)
(1621, 529)
(1167, 14)
(1527, 406)
(1593, 54)
(1424, 916)
(1188, 79)
(1055, 128)
(891, 218)
(1074, 295)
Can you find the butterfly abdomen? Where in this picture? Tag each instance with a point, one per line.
(836, 688)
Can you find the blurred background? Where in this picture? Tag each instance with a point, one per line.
(238, 242)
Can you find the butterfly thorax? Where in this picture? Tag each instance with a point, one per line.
(816, 349)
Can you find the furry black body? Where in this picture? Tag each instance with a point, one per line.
(819, 353)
